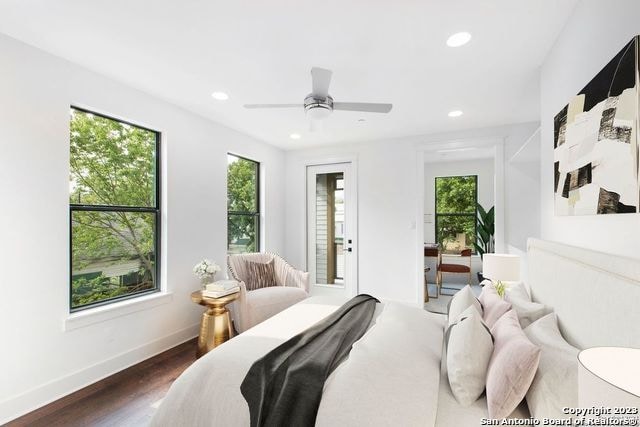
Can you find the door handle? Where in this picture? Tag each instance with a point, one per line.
(349, 250)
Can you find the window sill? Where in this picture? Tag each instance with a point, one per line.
(122, 308)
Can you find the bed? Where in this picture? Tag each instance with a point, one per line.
(394, 374)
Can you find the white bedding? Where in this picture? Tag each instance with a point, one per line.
(392, 376)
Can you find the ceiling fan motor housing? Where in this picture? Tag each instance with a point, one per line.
(318, 108)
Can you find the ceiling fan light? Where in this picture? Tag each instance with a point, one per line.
(316, 125)
(319, 112)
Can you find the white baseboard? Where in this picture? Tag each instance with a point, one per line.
(37, 397)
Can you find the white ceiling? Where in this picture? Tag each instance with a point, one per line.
(262, 52)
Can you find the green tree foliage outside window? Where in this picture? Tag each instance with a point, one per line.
(243, 205)
(113, 207)
(456, 200)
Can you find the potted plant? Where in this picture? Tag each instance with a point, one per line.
(485, 243)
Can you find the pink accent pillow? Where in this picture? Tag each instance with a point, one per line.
(494, 306)
(513, 365)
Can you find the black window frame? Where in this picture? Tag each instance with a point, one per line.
(256, 214)
(156, 210)
(473, 214)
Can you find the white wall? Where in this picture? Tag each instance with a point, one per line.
(40, 361)
(388, 195)
(596, 31)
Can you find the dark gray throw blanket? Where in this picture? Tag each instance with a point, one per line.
(284, 387)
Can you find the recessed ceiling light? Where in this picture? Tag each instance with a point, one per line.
(220, 96)
(295, 136)
(455, 113)
(458, 39)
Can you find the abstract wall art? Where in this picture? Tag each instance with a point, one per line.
(596, 142)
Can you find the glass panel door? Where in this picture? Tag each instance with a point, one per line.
(331, 229)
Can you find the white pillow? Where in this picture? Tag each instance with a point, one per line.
(462, 300)
(527, 310)
(518, 290)
(469, 348)
(555, 385)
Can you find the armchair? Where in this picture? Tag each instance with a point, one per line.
(255, 306)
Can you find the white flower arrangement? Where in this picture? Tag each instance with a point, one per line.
(206, 269)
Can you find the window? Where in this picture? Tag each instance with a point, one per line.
(114, 208)
(456, 200)
(243, 205)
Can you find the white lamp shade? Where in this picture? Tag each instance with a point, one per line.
(501, 267)
(609, 376)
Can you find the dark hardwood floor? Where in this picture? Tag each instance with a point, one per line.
(124, 399)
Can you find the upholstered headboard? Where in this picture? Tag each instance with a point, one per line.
(596, 296)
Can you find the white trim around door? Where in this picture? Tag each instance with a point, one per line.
(331, 227)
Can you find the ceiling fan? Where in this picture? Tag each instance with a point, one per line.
(319, 105)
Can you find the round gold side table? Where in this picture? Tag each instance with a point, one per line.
(215, 325)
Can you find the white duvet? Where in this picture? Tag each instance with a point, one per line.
(391, 378)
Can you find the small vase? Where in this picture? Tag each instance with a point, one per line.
(207, 280)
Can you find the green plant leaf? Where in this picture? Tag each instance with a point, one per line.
(491, 215)
(481, 210)
(479, 249)
(484, 235)
(481, 238)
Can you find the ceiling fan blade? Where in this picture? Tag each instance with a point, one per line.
(252, 106)
(320, 80)
(367, 107)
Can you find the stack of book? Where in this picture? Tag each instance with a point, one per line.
(221, 288)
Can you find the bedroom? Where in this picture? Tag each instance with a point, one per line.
(157, 67)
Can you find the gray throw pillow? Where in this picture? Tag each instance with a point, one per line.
(469, 349)
(555, 385)
(260, 275)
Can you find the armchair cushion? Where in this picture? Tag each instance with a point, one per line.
(266, 302)
(260, 275)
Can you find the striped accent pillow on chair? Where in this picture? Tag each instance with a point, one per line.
(260, 275)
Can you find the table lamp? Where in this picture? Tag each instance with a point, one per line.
(609, 377)
(501, 268)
